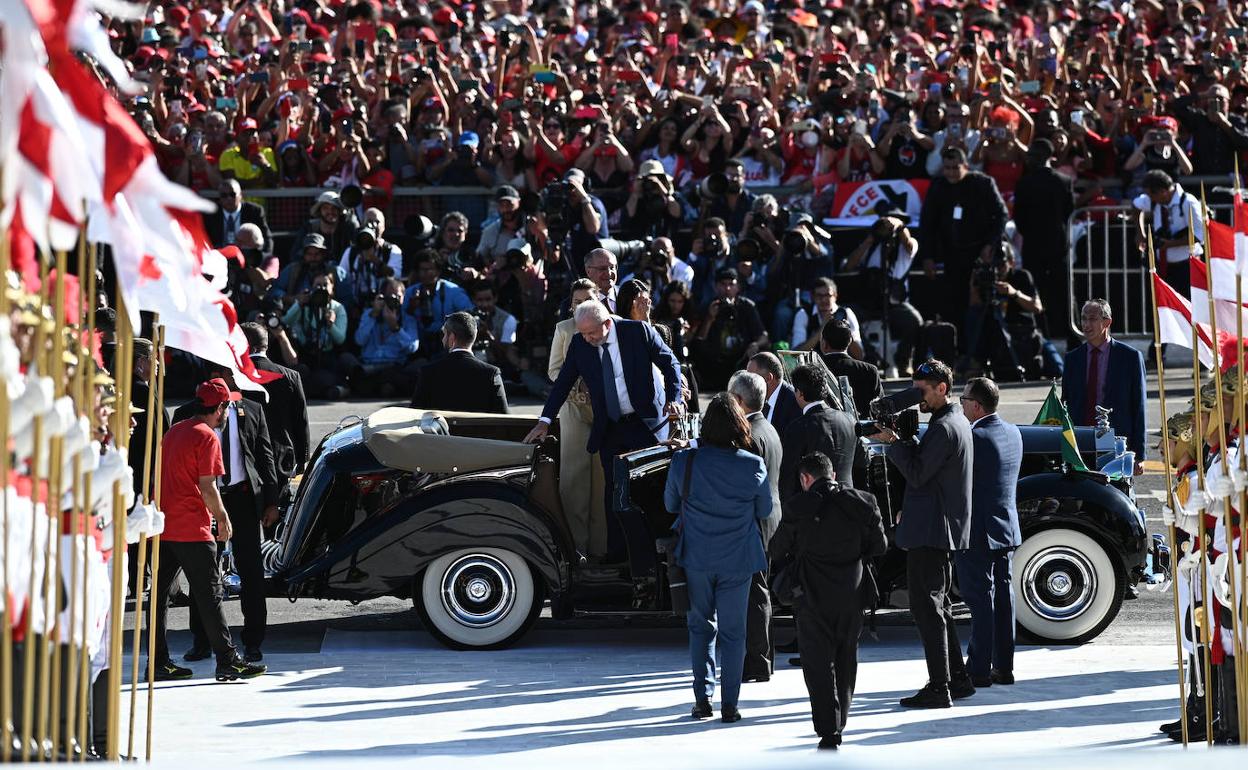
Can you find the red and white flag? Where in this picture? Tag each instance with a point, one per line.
(1228, 252)
(1224, 311)
(1174, 317)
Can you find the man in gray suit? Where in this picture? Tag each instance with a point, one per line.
(750, 390)
(935, 519)
(984, 569)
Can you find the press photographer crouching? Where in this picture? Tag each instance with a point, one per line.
(885, 257)
(935, 520)
(388, 339)
(317, 325)
(430, 299)
(1003, 335)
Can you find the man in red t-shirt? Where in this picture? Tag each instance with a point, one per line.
(191, 463)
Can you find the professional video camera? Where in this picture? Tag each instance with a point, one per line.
(985, 277)
(367, 236)
(626, 252)
(318, 299)
(895, 413)
(560, 213)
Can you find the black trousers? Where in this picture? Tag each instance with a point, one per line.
(759, 657)
(626, 435)
(828, 637)
(243, 507)
(929, 576)
(198, 561)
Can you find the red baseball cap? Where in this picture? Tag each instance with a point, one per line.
(247, 124)
(215, 392)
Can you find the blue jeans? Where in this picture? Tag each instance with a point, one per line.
(984, 579)
(717, 609)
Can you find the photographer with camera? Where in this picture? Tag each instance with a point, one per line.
(654, 208)
(803, 257)
(496, 332)
(575, 219)
(731, 332)
(462, 168)
(332, 220)
(1002, 331)
(430, 299)
(710, 253)
(369, 261)
(724, 197)
(958, 132)
(904, 147)
(885, 257)
(452, 246)
(502, 230)
(317, 324)
(935, 520)
(387, 338)
(294, 282)
(659, 266)
(1168, 211)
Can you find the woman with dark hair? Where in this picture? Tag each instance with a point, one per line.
(675, 311)
(719, 492)
(632, 302)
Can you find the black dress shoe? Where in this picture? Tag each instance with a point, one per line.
(197, 653)
(729, 714)
(930, 697)
(831, 742)
(961, 687)
(253, 655)
(702, 710)
(1002, 677)
(756, 678)
(787, 649)
(981, 681)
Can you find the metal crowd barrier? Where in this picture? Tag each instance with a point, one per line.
(1105, 260)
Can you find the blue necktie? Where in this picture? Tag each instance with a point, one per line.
(608, 383)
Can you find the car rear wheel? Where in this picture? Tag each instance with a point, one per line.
(478, 598)
(1066, 588)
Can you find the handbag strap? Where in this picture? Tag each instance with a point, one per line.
(684, 490)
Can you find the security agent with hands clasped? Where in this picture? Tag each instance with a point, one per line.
(935, 520)
(616, 359)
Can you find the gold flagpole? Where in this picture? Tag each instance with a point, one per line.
(1223, 448)
(6, 633)
(52, 644)
(153, 425)
(1170, 501)
(1205, 632)
(159, 385)
(121, 421)
(1241, 666)
(29, 644)
(88, 400)
(76, 519)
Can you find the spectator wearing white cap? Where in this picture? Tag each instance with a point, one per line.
(654, 208)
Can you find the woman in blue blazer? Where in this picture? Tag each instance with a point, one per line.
(719, 546)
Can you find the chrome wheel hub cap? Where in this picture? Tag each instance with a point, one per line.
(478, 590)
(1059, 583)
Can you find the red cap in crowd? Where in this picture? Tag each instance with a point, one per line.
(215, 392)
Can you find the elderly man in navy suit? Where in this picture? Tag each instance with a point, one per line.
(616, 359)
(984, 569)
(1106, 372)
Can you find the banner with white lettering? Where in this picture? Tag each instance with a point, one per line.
(855, 203)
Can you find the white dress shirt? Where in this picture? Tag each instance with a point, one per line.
(234, 471)
(810, 406)
(230, 222)
(771, 405)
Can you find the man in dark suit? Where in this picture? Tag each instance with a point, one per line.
(750, 392)
(827, 531)
(820, 429)
(935, 519)
(233, 212)
(1105, 372)
(984, 569)
(249, 490)
(286, 411)
(1043, 202)
(459, 381)
(863, 377)
(616, 359)
(781, 407)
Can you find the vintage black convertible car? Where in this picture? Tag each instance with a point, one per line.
(451, 510)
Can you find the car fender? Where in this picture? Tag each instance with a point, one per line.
(382, 557)
(1049, 500)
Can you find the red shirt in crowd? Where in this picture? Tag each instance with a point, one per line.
(190, 450)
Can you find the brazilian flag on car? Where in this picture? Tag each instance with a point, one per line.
(1053, 412)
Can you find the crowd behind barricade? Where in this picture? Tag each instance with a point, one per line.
(650, 128)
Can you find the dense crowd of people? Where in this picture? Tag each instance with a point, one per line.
(702, 146)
